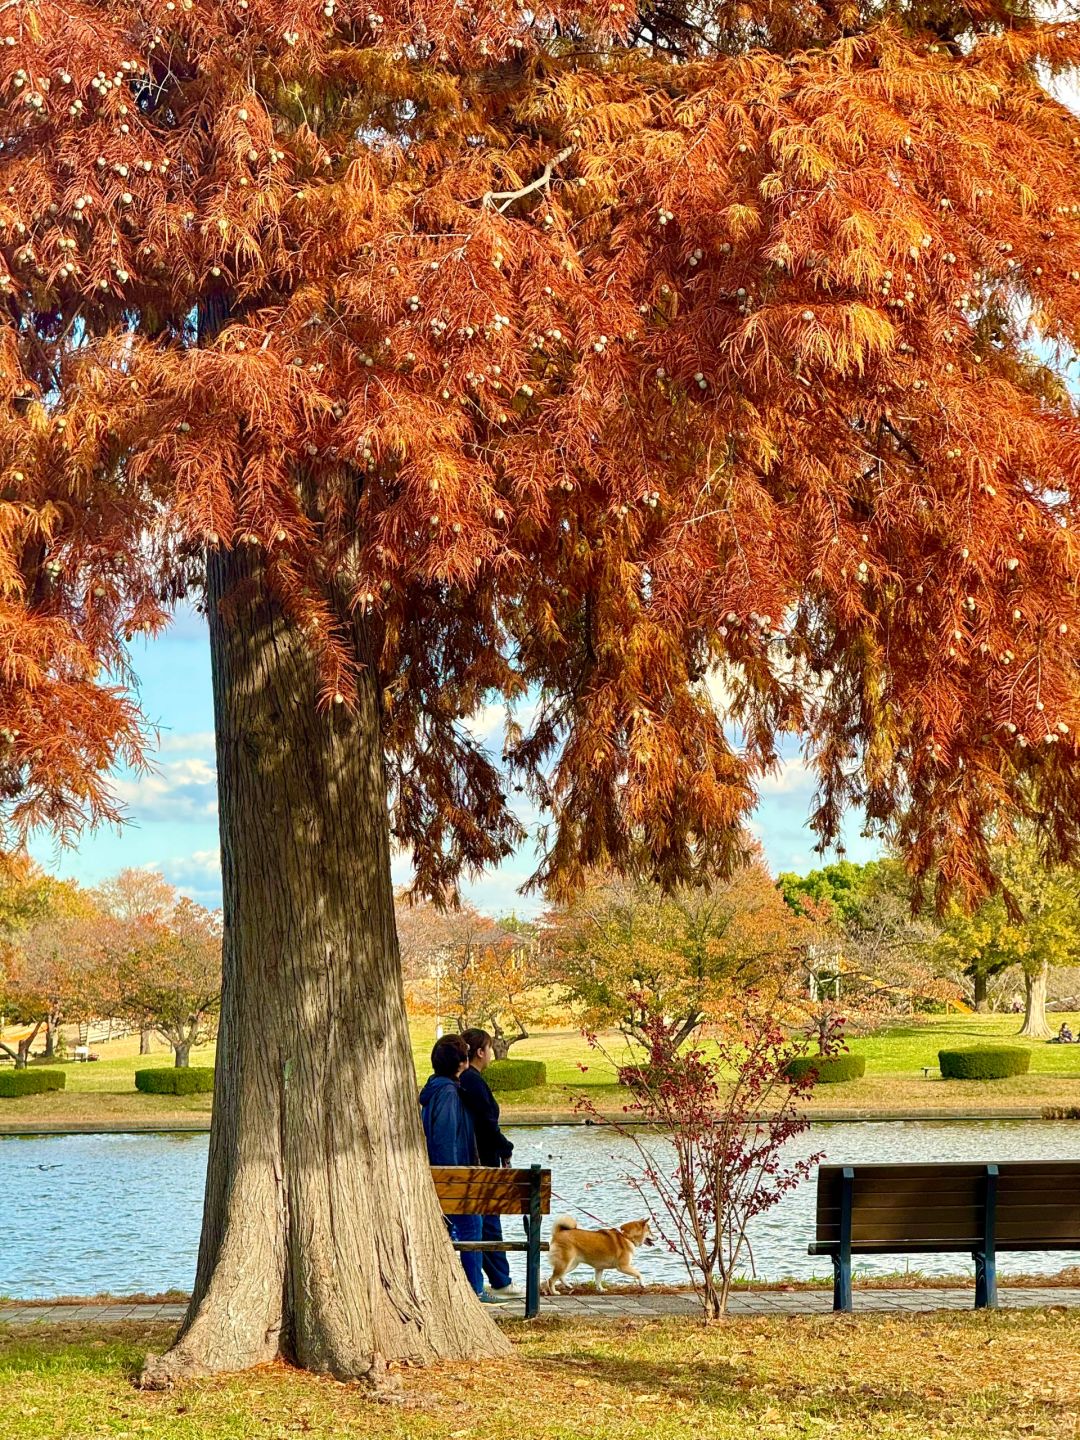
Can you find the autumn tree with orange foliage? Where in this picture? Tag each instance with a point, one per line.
(658, 965)
(51, 954)
(167, 975)
(590, 352)
(464, 964)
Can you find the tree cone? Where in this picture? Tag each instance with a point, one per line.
(322, 1239)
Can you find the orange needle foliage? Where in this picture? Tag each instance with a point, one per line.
(595, 351)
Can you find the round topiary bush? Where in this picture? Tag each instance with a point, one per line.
(189, 1080)
(985, 1062)
(827, 1069)
(14, 1083)
(516, 1074)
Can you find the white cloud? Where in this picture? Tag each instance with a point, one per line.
(198, 742)
(198, 875)
(179, 790)
(793, 777)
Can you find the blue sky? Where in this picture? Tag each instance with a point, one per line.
(172, 811)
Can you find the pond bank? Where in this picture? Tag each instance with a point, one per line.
(200, 1124)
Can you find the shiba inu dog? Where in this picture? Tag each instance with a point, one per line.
(602, 1249)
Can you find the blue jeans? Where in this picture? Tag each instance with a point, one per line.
(496, 1263)
(469, 1227)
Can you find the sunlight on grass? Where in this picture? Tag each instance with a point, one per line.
(104, 1092)
(888, 1377)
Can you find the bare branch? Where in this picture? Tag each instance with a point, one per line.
(509, 196)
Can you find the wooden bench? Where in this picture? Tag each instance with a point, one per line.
(943, 1209)
(485, 1190)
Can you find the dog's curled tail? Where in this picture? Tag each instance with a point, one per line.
(564, 1222)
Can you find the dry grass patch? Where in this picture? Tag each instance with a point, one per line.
(941, 1377)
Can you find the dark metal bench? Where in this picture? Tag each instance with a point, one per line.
(941, 1209)
(485, 1190)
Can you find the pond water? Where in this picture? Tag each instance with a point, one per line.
(80, 1214)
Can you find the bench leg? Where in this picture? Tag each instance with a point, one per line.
(532, 1272)
(841, 1293)
(532, 1260)
(985, 1280)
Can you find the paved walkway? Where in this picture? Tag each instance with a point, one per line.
(628, 1305)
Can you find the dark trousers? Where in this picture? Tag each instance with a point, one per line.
(468, 1227)
(496, 1263)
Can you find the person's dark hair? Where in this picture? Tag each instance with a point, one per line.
(447, 1055)
(476, 1040)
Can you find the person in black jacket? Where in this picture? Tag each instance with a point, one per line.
(450, 1138)
(491, 1144)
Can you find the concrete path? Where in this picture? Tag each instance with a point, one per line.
(627, 1305)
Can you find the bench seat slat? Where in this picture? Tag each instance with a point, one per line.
(949, 1247)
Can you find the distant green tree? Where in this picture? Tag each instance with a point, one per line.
(838, 888)
(1033, 923)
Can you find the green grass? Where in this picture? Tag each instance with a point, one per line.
(104, 1092)
(937, 1377)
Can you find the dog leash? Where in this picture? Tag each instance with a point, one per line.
(579, 1208)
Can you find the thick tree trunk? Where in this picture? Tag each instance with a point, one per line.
(1035, 1026)
(322, 1239)
(50, 1041)
(982, 1003)
(181, 1056)
(144, 1042)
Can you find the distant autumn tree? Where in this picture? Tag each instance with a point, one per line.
(868, 958)
(628, 953)
(620, 358)
(51, 952)
(137, 897)
(466, 965)
(58, 972)
(1038, 928)
(168, 975)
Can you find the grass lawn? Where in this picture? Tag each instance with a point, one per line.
(894, 1082)
(935, 1377)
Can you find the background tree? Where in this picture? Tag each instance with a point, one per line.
(49, 957)
(587, 354)
(475, 969)
(869, 958)
(138, 897)
(168, 976)
(627, 952)
(1038, 929)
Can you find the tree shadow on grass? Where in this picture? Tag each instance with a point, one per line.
(725, 1385)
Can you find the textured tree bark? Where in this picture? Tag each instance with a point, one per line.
(144, 1042)
(181, 1056)
(1035, 982)
(322, 1239)
(50, 1040)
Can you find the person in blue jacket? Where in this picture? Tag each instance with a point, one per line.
(493, 1147)
(451, 1140)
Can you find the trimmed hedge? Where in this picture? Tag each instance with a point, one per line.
(516, 1074)
(30, 1082)
(188, 1080)
(985, 1062)
(827, 1069)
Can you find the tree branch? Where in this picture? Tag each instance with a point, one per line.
(509, 196)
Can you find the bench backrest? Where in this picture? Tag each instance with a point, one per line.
(926, 1208)
(485, 1190)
